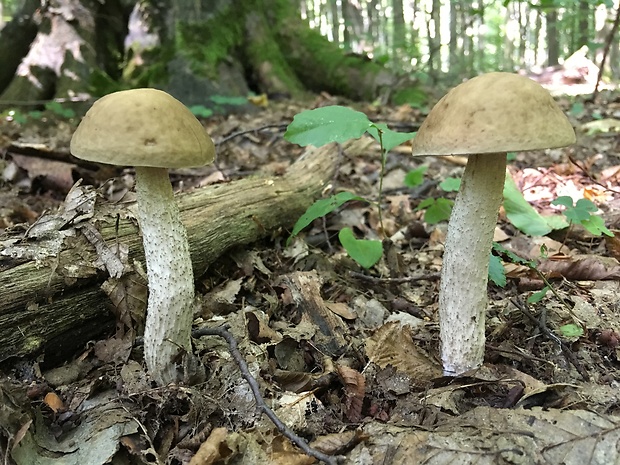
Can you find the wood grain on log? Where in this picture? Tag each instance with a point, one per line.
(56, 304)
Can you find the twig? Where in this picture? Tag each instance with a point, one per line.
(568, 353)
(608, 43)
(590, 177)
(260, 402)
(407, 279)
(248, 131)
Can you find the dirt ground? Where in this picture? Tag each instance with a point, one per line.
(347, 358)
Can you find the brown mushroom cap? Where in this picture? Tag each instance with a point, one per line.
(142, 127)
(494, 112)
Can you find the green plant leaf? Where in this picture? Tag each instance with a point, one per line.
(514, 258)
(596, 225)
(520, 213)
(321, 208)
(57, 108)
(415, 177)
(436, 209)
(571, 330)
(19, 117)
(201, 111)
(538, 296)
(574, 213)
(327, 124)
(497, 274)
(228, 100)
(556, 221)
(389, 138)
(365, 252)
(582, 213)
(577, 109)
(450, 184)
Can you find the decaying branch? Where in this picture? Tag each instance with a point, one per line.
(56, 303)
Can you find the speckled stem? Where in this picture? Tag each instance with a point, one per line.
(169, 270)
(464, 274)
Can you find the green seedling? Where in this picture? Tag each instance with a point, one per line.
(571, 331)
(496, 269)
(60, 110)
(415, 177)
(320, 208)
(200, 111)
(521, 214)
(450, 184)
(582, 212)
(364, 251)
(499, 276)
(322, 126)
(437, 210)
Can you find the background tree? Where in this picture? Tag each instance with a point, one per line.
(362, 49)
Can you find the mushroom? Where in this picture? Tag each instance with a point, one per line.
(482, 119)
(152, 131)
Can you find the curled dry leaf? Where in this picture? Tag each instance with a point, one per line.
(342, 310)
(297, 381)
(339, 443)
(582, 268)
(393, 344)
(354, 389)
(259, 330)
(213, 449)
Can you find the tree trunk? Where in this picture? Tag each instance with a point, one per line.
(55, 304)
(16, 38)
(204, 50)
(553, 44)
(64, 53)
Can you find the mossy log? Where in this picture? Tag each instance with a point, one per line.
(55, 305)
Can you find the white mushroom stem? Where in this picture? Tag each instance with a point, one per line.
(169, 269)
(464, 275)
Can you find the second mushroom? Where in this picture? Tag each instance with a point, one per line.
(483, 119)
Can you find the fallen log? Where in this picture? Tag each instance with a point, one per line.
(55, 304)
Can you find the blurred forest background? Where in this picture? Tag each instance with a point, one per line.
(395, 50)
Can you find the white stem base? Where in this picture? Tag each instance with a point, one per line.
(465, 269)
(169, 314)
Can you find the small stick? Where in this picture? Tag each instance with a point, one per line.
(589, 175)
(568, 353)
(260, 402)
(248, 131)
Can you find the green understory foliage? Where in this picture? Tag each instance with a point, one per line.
(339, 124)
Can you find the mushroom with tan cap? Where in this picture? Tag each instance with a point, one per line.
(482, 119)
(152, 131)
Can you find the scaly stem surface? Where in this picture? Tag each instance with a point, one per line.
(169, 269)
(465, 269)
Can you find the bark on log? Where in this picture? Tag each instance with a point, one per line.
(56, 304)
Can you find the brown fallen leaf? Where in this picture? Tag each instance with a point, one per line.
(213, 449)
(339, 443)
(393, 344)
(581, 268)
(354, 390)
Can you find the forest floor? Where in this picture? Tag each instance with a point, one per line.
(347, 358)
